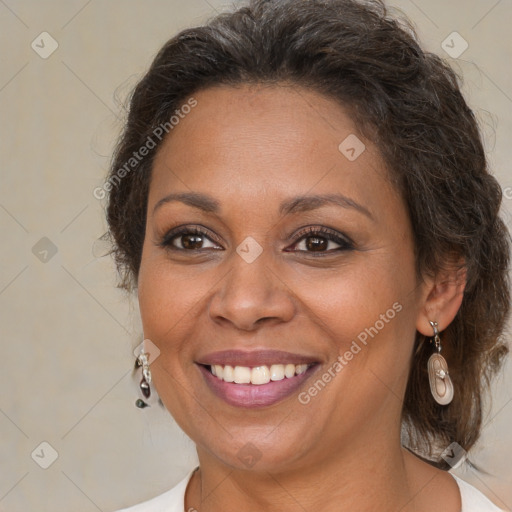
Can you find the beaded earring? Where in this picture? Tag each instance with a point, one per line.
(142, 360)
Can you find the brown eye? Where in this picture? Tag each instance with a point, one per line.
(316, 244)
(187, 239)
(322, 241)
(191, 241)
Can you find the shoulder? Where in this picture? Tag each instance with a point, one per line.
(172, 500)
(472, 499)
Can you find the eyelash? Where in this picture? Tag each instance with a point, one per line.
(310, 232)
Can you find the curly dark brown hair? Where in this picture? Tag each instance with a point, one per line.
(404, 99)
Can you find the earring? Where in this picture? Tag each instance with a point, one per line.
(142, 360)
(441, 384)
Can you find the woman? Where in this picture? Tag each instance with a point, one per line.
(301, 201)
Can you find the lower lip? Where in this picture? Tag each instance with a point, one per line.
(254, 395)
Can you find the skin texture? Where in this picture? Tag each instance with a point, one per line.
(250, 148)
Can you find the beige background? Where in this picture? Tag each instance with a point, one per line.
(67, 333)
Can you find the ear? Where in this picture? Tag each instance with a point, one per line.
(441, 299)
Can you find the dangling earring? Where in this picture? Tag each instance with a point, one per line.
(441, 384)
(142, 360)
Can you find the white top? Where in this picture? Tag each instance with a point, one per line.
(174, 499)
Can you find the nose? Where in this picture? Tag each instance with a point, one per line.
(251, 294)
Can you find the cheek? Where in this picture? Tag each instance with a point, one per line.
(163, 293)
(172, 302)
(153, 297)
(366, 311)
(167, 296)
(349, 299)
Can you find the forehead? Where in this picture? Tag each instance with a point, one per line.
(251, 142)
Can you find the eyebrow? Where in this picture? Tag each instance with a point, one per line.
(293, 205)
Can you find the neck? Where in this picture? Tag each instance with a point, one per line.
(364, 477)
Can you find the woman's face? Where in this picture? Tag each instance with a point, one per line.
(329, 283)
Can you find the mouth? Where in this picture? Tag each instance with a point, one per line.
(257, 375)
(259, 382)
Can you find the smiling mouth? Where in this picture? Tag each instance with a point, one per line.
(256, 386)
(257, 375)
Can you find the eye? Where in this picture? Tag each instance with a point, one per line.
(187, 239)
(314, 241)
(320, 241)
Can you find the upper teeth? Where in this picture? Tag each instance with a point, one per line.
(257, 374)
